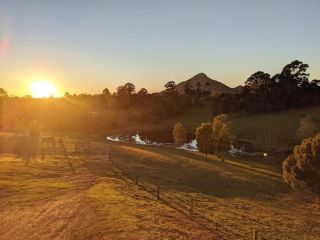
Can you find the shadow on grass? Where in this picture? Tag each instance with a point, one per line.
(179, 172)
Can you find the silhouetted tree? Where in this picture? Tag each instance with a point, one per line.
(3, 93)
(294, 74)
(129, 88)
(143, 92)
(258, 80)
(106, 93)
(198, 90)
(315, 83)
(288, 89)
(170, 87)
(207, 91)
(188, 89)
(106, 96)
(121, 91)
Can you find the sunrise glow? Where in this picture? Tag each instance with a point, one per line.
(43, 89)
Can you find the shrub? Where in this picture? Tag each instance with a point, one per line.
(301, 170)
(179, 133)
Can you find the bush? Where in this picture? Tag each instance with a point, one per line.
(301, 170)
(179, 133)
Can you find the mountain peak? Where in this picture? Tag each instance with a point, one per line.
(206, 84)
(200, 76)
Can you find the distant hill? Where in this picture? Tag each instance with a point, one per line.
(207, 84)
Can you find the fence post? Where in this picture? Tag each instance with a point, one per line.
(191, 207)
(43, 153)
(106, 154)
(103, 149)
(255, 235)
(158, 192)
(88, 147)
(137, 178)
(63, 148)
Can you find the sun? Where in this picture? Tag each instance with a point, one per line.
(43, 89)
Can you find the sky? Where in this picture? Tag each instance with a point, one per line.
(84, 46)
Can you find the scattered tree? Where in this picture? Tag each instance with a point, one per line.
(179, 133)
(221, 133)
(204, 138)
(170, 87)
(189, 90)
(301, 170)
(106, 93)
(258, 80)
(129, 88)
(207, 90)
(121, 91)
(106, 96)
(143, 92)
(3, 93)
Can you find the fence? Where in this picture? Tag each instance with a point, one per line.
(187, 205)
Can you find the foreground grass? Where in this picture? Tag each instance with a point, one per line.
(239, 197)
(93, 197)
(21, 183)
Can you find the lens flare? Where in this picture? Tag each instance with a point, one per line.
(4, 45)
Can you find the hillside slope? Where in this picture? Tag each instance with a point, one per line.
(206, 84)
(94, 196)
(276, 129)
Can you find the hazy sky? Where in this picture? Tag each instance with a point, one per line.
(86, 45)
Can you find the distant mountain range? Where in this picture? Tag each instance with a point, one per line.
(205, 83)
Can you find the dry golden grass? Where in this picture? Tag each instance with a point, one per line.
(91, 197)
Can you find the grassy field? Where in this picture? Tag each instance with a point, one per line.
(94, 197)
(276, 130)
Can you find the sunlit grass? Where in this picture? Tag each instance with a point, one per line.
(21, 183)
(239, 196)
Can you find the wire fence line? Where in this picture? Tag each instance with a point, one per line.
(187, 205)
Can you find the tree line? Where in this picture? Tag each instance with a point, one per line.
(262, 92)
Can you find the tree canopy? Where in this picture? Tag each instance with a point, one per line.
(301, 170)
